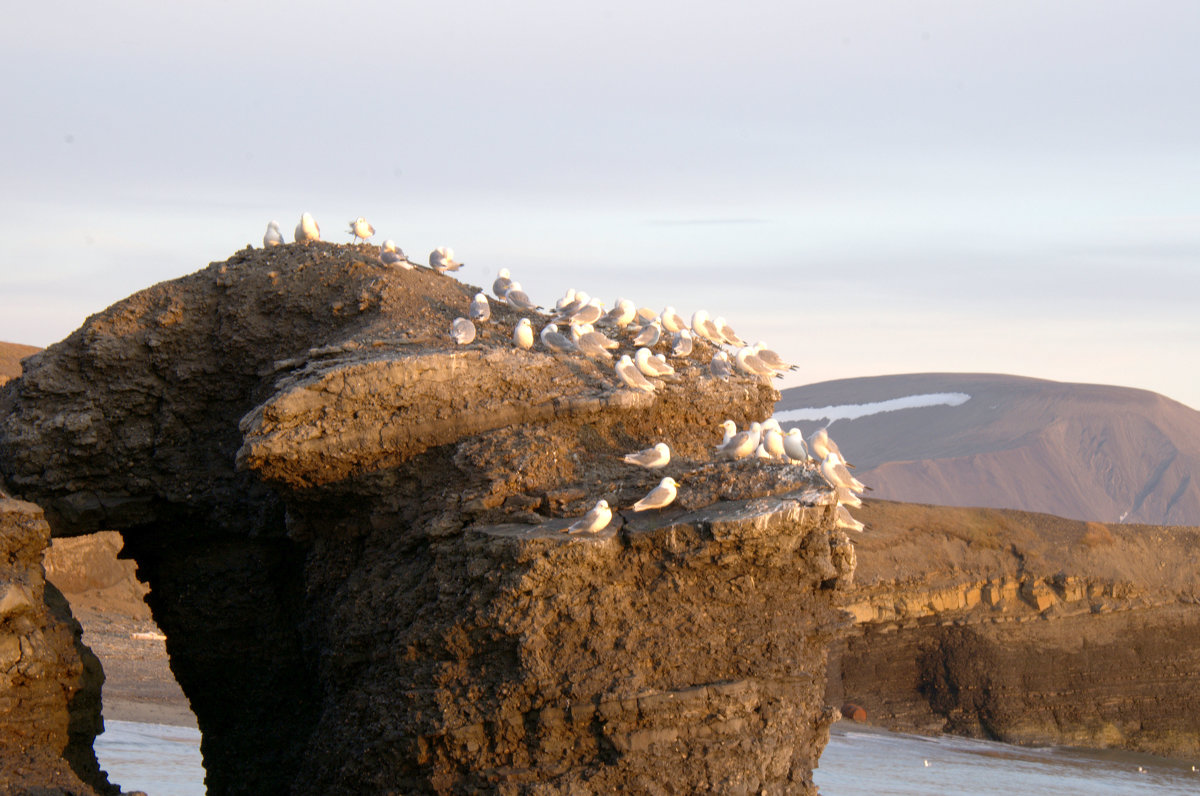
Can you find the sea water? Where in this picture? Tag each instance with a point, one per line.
(859, 761)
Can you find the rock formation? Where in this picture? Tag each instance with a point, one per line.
(352, 534)
(1025, 628)
(49, 682)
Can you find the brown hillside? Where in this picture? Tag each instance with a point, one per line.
(11, 355)
(1084, 451)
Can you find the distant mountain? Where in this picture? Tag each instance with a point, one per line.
(11, 355)
(1082, 451)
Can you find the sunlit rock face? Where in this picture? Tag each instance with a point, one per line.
(352, 531)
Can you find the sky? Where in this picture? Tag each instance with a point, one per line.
(870, 187)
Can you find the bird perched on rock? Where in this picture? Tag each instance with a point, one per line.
(772, 442)
(657, 456)
(590, 312)
(555, 340)
(390, 254)
(773, 360)
(837, 475)
(272, 237)
(720, 367)
(523, 334)
(502, 284)
(591, 344)
(462, 330)
(820, 444)
(658, 497)
(622, 314)
(442, 260)
(741, 444)
(359, 228)
(681, 346)
(748, 362)
(480, 309)
(650, 366)
(516, 297)
(649, 334)
(794, 447)
(703, 327)
(727, 332)
(629, 374)
(594, 521)
(671, 321)
(842, 519)
(307, 230)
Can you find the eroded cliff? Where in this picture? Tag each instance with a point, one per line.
(352, 533)
(1025, 628)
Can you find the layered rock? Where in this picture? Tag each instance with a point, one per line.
(49, 682)
(1025, 628)
(352, 534)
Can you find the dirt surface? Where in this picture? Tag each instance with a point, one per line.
(11, 355)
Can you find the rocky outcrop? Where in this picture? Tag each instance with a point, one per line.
(1025, 628)
(352, 532)
(49, 682)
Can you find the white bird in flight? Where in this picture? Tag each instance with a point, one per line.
(594, 521)
(658, 497)
(307, 229)
(657, 456)
(273, 236)
(359, 228)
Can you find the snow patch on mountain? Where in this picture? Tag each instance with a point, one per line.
(855, 411)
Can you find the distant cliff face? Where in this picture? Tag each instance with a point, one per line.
(11, 355)
(1025, 628)
(352, 531)
(1085, 451)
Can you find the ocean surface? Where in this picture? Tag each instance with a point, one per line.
(859, 761)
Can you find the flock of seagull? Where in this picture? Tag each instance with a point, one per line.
(582, 318)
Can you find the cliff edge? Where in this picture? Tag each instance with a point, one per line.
(352, 533)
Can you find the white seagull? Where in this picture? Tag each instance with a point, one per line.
(720, 367)
(556, 340)
(843, 519)
(307, 229)
(794, 447)
(821, 445)
(442, 260)
(594, 521)
(516, 297)
(658, 497)
(273, 236)
(650, 458)
(681, 346)
(671, 321)
(462, 330)
(649, 334)
(629, 374)
(727, 332)
(502, 284)
(622, 314)
(523, 334)
(650, 366)
(359, 228)
(480, 310)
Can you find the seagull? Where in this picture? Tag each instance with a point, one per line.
(442, 260)
(566, 301)
(649, 334)
(462, 330)
(847, 498)
(671, 321)
(555, 340)
(594, 521)
(391, 255)
(578, 301)
(658, 497)
(742, 444)
(720, 367)
(773, 443)
(821, 445)
(749, 363)
(794, 447)
(622, 314)
(359, 228)
(597, 338)
(650, 458)
(772, 359)
(682, 344)
(273, 236)
(502, 284)
(761, 452)
(843, 519)
(729, 428)
(516, 297)
(480, 310)
(631, 376)
(590, 345)
(307, 229)
(703, 327)
(590, 312)
(837, 475)
(523, 334)
(650, 366)
(728, 333)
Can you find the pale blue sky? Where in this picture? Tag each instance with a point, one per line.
(870, 187)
